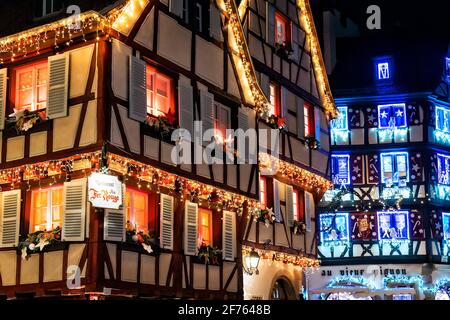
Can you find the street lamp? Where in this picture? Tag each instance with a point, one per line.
(251, 262)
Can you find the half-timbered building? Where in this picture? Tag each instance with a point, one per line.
(383, 225)
(93, 204)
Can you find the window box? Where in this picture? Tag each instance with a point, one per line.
(161, 127)
(40, 241)
(299, 227)
(23, 121)
(208, 255)
(283, 50)
(146, 241)
(311, 142)
(266, 216)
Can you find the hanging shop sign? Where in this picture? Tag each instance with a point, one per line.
(105, 191)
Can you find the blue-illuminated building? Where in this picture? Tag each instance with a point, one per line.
(384, 230)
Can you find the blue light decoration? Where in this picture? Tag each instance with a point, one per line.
(446, 225)
(442, 132)
(393, 225)
(334, 229)
(340, 167)
(391, 116)
(443, 163)
(384, 70)
(339, 126)
(395, 168)
(447, 68)
(347, 281)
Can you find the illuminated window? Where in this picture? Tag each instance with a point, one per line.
(263, 192)
(334, 227)
(393, 225)
(383, 71)
(443, 162)
(341, 123)
(282, 30)
(46, 209)
(31, 87)
(205, 233)
(308, 113)
(446, 225)
(442, 119)
(447, 68)
(394, 167)
(295, 205)
(274, 99)
(340, 169)
(392, 116)
(136, 209)
(159, 93)
(221, 121)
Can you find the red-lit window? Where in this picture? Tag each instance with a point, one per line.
(295, 205)
(308, 112)
(46, 208)
(136, 209)
(263, 192)
(31, 86)
(282, 30)
(159, 93)
(205, 227)
(222, 120)
(274, 99)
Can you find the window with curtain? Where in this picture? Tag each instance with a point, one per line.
(136, 209)
(31, 86)
(159, 93)
(46, 209)
(274, 99)
(295, 205)
(205, 228)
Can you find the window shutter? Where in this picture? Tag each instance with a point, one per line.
(74, 214)
(114, 225)
(3, 84)
(265, 85)
(270, 24)
(300, 118)
(243, 121)
(138, 89)
(229, 236)
(176, 7)
(309, 209)
(289, 219)
(276, 200)
(58, 86)
(317, 123)
(190, 228)
(9, 218)
(215, 29)
(186, 107)
(207, 112)
(295, 43)
(166, 214)
(284, 104)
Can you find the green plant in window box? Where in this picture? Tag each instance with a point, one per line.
(162, 126)
(24, 120)
(38, 241)
(311, 142)
(266, 216)
(276, 122)
(147, 240)
(208, 254)
(283, 49)
(299, 227)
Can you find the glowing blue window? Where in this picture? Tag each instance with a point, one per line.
(383, 70)
(393, 225)
(394, 167)
(341, 123)
(446, 225)
(334, 228)
(392, 116)
(340, 166)
(443, 119)
(443, 162)
(447, 68)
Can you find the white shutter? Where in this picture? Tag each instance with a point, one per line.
(243, 119)
(276, 200)
(265, 85)
(9, 218)
(206, 112)
(215, 29)
(138, 89)
(190, 228)
(317, 123)
(300, 118)
(309, 209)
(295, 43)
(176, 7)
(270, 24)
(114, 225)
(186, 106)
(58, 86)
(3, 84)
(74, 213)
(228, 236)
(289, 212)
(166, 214)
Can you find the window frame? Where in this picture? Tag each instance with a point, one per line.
(308, 119)
(210, 226)
(280, 17)
(447, 168)
(277, 97)
(337, 175)
(46, 13)
(155, 72)
(49, 215)
(394, 161)
(382, 61)
(446, 219)
(221, 139)
(381, 234)
(263, 193)
(446, 114)
(392, 107)
(334, 127)
(14, 89)
(295, 205)
(334, 216)
(146, 208)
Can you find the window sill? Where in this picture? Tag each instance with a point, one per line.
(137, 247)
(31, 122)
(200, 260)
